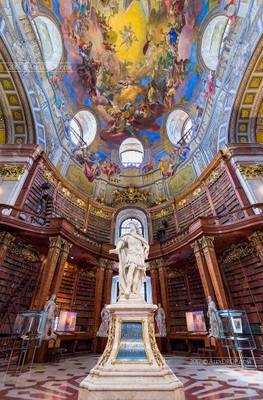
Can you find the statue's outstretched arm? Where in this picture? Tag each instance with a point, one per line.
(118, 247)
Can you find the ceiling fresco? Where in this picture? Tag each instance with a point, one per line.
(129, 63)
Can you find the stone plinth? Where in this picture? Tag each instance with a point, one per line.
(131, 367)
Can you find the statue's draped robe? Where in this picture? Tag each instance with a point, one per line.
(128, 256)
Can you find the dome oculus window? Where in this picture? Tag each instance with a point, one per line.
(83, 128)
(125, 226)
(131, 153)
(179, 127)
(50, 40)
(212, 39)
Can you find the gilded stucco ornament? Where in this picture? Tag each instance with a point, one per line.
(251, 171)
(256, 238)
(11, 172)
(99, 212)
(6, 238)
(107, 352)
(236, 252)
(131, 196)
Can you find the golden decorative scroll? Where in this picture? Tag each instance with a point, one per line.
(154, 346)
(100, 212)
(252, 171)
(11, 172)
(106, 354)
(236, 252)
(131, 196)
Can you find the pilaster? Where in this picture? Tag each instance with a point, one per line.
(207, 245)
(5, 240)
(48, 270)
(203, 270)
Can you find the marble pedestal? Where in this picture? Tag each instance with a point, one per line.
(131, 367)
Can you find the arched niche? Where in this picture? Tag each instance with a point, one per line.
(146, 289)
(131, 213)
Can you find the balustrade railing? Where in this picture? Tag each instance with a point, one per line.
(240, 214)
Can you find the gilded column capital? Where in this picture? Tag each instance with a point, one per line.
(6, 238)
(196, 247)
(103, 262)
(156, 264)
(111, 265)
(206, 242)
(256, 238)
(66, 245)
(56, 241)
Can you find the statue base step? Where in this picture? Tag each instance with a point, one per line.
(131, 366)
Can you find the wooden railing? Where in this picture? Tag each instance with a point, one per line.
(17, 214)
(223, 219)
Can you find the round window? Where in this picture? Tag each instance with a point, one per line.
(83, 128)
(179, 126)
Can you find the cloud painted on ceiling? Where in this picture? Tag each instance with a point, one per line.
(130, 61)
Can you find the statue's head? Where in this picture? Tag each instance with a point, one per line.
(53, 297)
(134, 228)
(159, 305)
(209, 298)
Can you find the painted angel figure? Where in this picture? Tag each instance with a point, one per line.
(128, 36)
(132, 250)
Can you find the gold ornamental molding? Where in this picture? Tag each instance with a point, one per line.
(107, 352)
(237, 252)
(155, 350)
(256, 238)
(65, 192)
(99, 212)
(11, 172)
(131, 196)
(252, 171)
(161, 214)
(6, 238)
(27, 253)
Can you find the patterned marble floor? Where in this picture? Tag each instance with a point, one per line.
(60, 381)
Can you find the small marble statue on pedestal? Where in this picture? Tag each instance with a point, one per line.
(105, 321)
(160, 321)
(50, 309)
(214, 320)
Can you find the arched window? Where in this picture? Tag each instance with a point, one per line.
(179, 126)
(83, 128)
(131, 153)
(125, 226)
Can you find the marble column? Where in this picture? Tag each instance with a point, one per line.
(203, 270)
(48, 270)
(5, 241)
(207, 245)
(257, 240)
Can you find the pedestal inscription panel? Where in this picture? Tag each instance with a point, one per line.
(131, 343)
